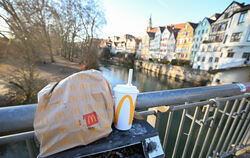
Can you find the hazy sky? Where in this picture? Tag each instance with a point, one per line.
(131, 16)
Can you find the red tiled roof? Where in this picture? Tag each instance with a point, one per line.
(153, 30)
(178, 26)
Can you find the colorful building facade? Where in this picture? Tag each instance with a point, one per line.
(201, 33)
(185, 41)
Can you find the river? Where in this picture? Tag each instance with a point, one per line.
(145, 81)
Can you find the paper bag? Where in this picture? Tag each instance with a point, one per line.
(76, 111)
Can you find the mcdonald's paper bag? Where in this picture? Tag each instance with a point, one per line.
(75, 111)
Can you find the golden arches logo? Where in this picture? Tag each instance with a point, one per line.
(131, 113)
(59, 114)
(74, 111)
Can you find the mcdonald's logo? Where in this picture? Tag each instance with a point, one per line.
(62, 129)
(60, 115)
(43, 107)
(87, 108)
(65, 141)
(78, 124)
(59, 90)
(72, 87)
(81, 136)
(83, 86)
(42, 121)
(91, 119)
(131, 113)
(75, 111)
(73, 99)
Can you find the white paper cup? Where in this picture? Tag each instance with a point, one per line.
(125, 100)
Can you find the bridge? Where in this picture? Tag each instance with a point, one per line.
(210, 121)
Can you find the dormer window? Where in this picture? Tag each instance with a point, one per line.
(242, 18)
(226, 15)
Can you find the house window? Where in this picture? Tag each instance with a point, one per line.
(230, 54)
(211, 59)
(221, 54)
(248, 38)
(235, 37)
(223, 27)
(225, 39)
(246, 55)
(203, 59)
(226, 15)
(202, 31)
(216, 60)
(198, 32)
(242, 18)
(199, 58)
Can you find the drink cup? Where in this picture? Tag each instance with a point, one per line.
(125, 100)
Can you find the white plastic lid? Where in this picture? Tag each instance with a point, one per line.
(120, 88)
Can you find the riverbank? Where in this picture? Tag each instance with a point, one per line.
(176, 72)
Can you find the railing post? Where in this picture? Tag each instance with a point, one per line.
(190, 132)
(244, 127)
(232, 126)
(226, 126)
(170, 116)
(211, 125)
(201, 129)
(217, 129)
(242, 119)
(179, 132)
(31, 149)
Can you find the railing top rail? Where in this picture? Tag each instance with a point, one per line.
(180, 96)
(20, 118)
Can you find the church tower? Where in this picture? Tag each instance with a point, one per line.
(149, 24)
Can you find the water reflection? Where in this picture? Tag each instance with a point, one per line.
(144, 80)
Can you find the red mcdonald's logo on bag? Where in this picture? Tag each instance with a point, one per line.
(91, 119)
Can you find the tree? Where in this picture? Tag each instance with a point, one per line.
(44, 27)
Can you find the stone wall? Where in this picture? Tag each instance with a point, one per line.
(176, 72)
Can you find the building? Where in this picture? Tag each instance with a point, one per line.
(155, 44)
(229, 40)
(124, 44)
(201, 33)
(168, 42)
(185, 42)
(146, 39)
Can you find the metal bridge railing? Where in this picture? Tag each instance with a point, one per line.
(211, 121)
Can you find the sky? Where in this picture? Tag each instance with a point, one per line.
(131, 16)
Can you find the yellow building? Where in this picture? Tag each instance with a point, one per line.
(185, 41)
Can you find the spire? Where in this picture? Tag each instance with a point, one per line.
(149, 24)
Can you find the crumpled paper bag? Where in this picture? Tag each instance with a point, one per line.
(75, 111)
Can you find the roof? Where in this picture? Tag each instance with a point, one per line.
(194, 25)
(240, 4)
(216, 15)
(162, 28)
(210, 20)
(153, 30)
(173, 30)
(245, 8)
(151, 34)
(178, 26)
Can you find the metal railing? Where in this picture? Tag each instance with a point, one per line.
(211, 121)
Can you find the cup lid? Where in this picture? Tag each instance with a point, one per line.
(126, 88)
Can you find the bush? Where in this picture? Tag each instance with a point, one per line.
(165, 62)
(174, 62)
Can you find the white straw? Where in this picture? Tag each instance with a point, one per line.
(130, 75)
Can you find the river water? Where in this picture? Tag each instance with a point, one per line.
(144, 80)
